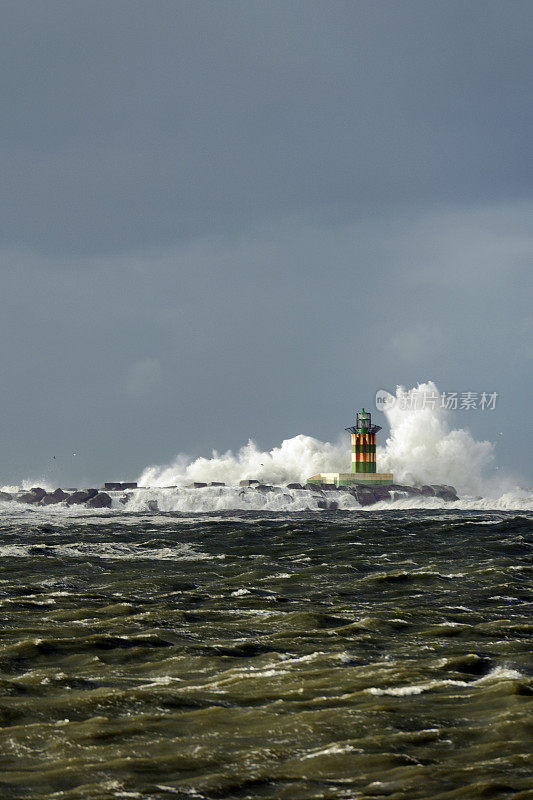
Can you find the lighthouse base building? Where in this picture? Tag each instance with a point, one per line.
(349, 479)
(363, 472)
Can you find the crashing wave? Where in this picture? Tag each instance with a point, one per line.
(422, 448)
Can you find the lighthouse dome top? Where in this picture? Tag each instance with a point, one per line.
(364, 423)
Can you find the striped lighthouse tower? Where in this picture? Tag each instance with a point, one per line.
(364, 443)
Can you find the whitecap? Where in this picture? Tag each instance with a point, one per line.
(333, 749)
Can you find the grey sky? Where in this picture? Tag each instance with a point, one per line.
(232, 219)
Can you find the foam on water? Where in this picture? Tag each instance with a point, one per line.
(106, 550)
(333, 750)
(231, 498)
(495, 675)
(223, 499)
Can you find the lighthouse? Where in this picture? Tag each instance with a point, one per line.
(364, 443)
(363, 472)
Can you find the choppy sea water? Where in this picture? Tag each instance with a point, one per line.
(266, 655)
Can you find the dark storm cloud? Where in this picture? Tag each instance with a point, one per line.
(224, 219)
(132, 123)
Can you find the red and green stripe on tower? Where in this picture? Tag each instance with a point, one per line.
(363, 452)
